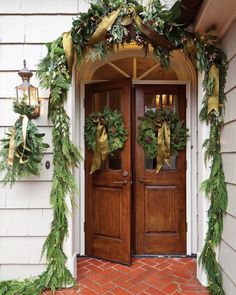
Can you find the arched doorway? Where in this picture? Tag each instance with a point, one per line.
(148, 79)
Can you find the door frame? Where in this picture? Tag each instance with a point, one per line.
(191, 157)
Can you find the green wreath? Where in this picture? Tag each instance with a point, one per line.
(116, 132)
(148, 131)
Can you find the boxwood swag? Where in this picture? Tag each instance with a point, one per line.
(106, 26)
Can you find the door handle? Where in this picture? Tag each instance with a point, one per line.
(123, 182)
(125, 173)
(144, 180)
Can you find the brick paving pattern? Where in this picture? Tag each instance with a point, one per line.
(154, 276)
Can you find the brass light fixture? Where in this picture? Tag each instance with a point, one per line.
(26, 92)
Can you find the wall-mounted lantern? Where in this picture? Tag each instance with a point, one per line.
(27, 92)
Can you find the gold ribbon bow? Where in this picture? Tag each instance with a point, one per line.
(101, 151)
(163, 145)
(146, 30)
(213, 99)
(11, 152)
(69, 49)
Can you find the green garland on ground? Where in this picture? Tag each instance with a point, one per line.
(54, 74)
(149, 127)
(116, 132)
(27, 153)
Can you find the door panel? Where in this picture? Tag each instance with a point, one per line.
(160, 205)
(108, 191)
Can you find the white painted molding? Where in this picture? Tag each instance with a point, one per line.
(220, 13)
(69, 246)
(203, 174)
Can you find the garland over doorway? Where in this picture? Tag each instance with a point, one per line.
(104, 28)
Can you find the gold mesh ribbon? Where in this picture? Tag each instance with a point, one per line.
(163, 145)
(11, 151)
(69, 49)
(213, 99)
(101, 151)
(146, 30)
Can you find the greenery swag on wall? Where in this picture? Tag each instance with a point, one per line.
(106, 26)
(22, 149)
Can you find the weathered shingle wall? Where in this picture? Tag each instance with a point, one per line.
(227, 251)
(25, 213)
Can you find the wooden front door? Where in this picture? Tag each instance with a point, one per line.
(158, 202)
(108, 191)
(159, 199)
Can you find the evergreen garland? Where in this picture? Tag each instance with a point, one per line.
(214, 187)
(26, 156)
(116, 132)
(54, 75)
(148, 130)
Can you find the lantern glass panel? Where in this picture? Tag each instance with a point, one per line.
(28, 94)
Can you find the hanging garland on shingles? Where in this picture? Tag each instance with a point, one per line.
(162, 134)
(104, 133)
(106, 26)
(53, 74)
(22, 149)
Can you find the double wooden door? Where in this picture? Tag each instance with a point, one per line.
(130, 208)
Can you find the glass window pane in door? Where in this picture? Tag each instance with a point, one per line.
(114, 99)
(99, 101)
(150, 164)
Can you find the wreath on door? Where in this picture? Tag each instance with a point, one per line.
(105, 134)
(162, 134)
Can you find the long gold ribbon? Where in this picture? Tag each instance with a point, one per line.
(11, 151)
(103, 27)
(25, 121)
(163, 146)
(69, 49)
(146, 30)
(213, 99)
(101, 151)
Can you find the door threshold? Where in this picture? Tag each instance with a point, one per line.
(164, 256)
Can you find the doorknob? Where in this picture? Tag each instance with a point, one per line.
(123, 182)
(144, 180)
(125, 173)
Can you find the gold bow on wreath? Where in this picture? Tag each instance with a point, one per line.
(11, 152)
(163, 144)
(101, 150)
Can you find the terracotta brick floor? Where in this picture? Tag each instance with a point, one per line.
(155, 276)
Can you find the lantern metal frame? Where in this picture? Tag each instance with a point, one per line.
(27, 89)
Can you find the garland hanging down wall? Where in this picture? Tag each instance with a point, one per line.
(104, 28)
